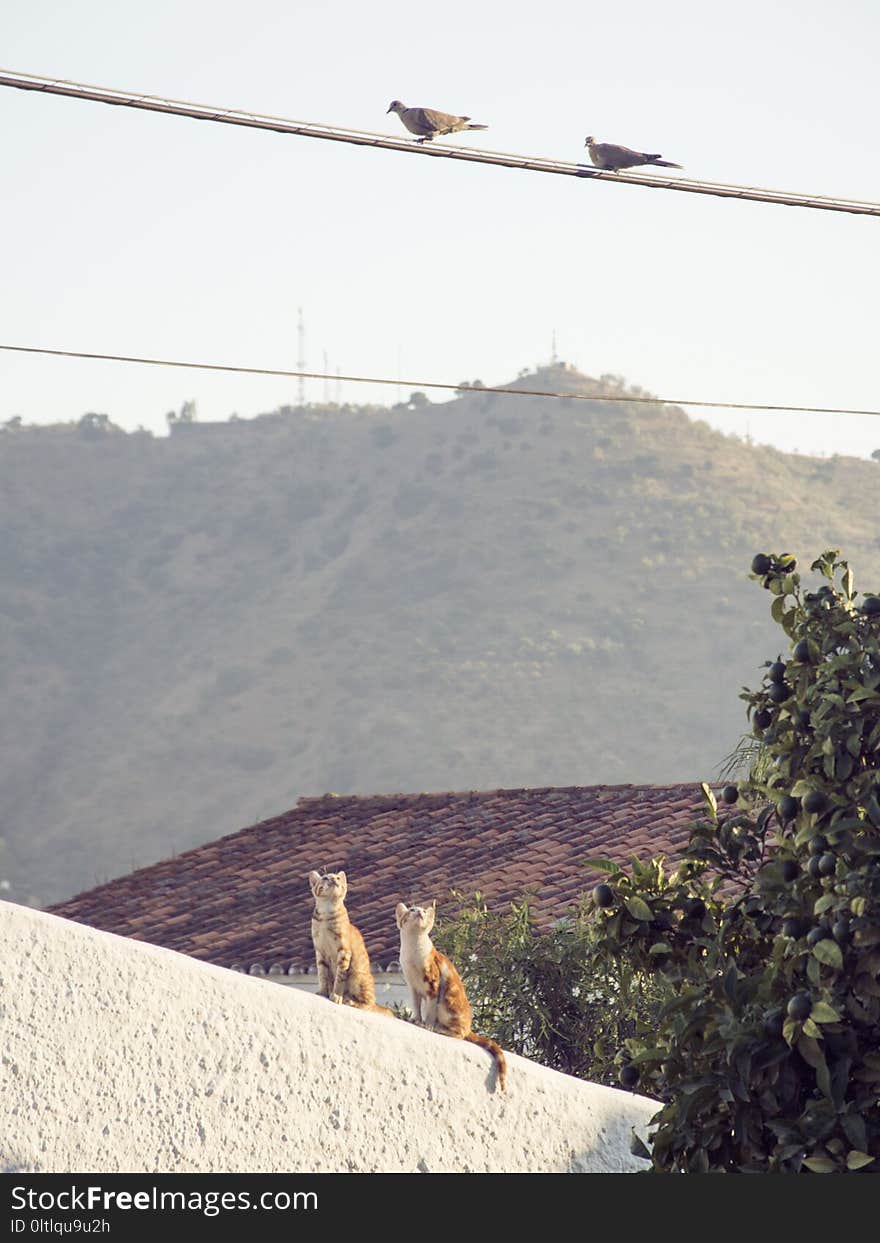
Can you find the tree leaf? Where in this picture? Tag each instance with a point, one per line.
(638, 909)
(823, 1013)
(601, 865)
(820, 1165)
(811, 1051)
(710, 799)
(857, 1160)
(638, 1148)
(828, 953)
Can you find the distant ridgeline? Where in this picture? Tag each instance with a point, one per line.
(488, 591)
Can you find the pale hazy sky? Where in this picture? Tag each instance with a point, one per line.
(126, 232)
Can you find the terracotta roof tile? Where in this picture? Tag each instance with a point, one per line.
(244, 898)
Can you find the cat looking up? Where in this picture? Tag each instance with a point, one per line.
(438, 998)
(341, 957)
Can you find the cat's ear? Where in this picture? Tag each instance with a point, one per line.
(430, 912)
(399, 911)
(343, 882)
(314, 877)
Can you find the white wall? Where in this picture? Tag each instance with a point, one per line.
(120, 1056)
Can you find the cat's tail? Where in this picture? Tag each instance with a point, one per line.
(497, 1052)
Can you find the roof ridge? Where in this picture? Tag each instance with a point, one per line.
(396, 798)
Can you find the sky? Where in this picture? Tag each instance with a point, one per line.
(133, 233)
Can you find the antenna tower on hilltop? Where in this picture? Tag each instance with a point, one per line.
(301, 358)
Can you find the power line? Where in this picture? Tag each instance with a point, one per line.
(420, 384)
(364, 138)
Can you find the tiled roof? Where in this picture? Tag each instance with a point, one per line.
(244, 900)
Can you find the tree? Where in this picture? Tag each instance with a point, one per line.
(92, 425)
(768, 1057)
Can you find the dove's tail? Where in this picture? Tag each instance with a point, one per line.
(655, 159)
(476, 127)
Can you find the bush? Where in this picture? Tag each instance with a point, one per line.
(544, 993)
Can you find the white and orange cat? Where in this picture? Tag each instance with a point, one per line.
(341, 957)
(439, 1001)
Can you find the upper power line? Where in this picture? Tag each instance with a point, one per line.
(420, 384)
(363, 138)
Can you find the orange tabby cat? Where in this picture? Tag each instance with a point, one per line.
(343, 964)
(438, 997)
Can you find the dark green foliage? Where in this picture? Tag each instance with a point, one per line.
(768, 1055)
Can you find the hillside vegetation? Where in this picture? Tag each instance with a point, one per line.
(493, 591)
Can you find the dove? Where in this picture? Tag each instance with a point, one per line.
(428, 123)
(607, 155)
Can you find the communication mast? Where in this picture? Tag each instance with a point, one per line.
(301, 359)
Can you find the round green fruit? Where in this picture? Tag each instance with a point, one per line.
(841, 931)
(790, 870)
(629, 1075)
(802, 652)
(817, 845)
(762, 718)
(871, 606)
(793, 927)
(815, 935)
(815, 802)
(694, 908)
(813, 867)
(603, 895)
(776, 672)
(787, 808)
(799, 1007)
(779, 692)
(827, 864)
(761, 564)
(730, 794)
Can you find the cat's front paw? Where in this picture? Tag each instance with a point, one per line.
(337, 998)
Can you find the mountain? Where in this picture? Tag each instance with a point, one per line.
(195, 630)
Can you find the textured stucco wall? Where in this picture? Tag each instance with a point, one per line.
(120, 1056)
